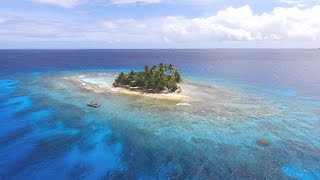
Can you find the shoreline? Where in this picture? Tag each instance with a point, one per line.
(168, 96)
(107, 87)
(202, 98)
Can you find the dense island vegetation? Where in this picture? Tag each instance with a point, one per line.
(161, 78)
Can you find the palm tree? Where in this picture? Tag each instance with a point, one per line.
(131, 78)
(157, 78)
(162, 68)
(146, 75)
(154, 68)
(146, 69)
(170, 67)
(120, 78)
(177, 76)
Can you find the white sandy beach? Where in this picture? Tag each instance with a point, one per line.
(102, 83)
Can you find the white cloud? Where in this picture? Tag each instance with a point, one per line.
(233, 24)
(300, 3)
(2, 20)
(292, 1)
(123, 2)
(293, 25)
(72, 3)
(63, 3)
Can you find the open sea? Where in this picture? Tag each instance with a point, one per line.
(263, 122)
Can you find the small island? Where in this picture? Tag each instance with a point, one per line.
(157, 79)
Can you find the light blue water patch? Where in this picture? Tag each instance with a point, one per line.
(281, 92)
(52, 168)
(295, 172)
(105, 157)
(36, 73)
(10, 155)
(48, 162)
(7, 83)
(93, 163)
(7, 86)
(308, 117)
(59, 129)
(103, 70)
(15, 105)
(89, 118)
(75, 164)
(12, 124)
(40, 115)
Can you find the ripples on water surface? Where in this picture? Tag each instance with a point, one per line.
(260, 118)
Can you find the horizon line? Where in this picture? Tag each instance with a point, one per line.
(159, 48)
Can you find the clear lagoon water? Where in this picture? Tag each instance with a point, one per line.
(48, 132)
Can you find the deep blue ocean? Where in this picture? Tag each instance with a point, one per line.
(47, 131)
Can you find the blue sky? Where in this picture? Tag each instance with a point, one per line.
(159, 24)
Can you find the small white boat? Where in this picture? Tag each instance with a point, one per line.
(93, 104)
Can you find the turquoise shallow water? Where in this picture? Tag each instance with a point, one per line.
(47, 131)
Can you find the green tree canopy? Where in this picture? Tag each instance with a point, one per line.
(157, 78)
